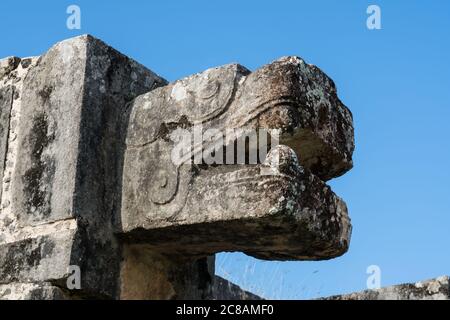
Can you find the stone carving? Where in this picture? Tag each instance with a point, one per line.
(296, 205)
(89, 178)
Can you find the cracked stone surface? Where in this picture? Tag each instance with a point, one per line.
(88, 178)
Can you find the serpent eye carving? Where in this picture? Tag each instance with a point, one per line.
(164, 183)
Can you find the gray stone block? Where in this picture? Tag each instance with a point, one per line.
(66, 163)
(434, 289)
(32, 291)
(72, 103)
(39, 259)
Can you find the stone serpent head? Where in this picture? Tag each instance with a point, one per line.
(276, 207)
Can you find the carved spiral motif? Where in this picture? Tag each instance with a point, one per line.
(164, 184)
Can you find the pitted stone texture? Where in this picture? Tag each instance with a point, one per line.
(322, 126)
(66, 164)
(43, 258)
(12, 84)
(7, 66)
(434, 289)
(32, 291)
(6, 100)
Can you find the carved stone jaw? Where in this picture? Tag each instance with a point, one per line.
(270, 212)
(290, 215)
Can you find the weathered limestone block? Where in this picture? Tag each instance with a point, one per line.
(65, 163)
(291, 215)
(38, 259)
(32, 291)
(72, 101)
(434, 289)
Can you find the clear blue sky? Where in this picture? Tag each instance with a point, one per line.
(396, 81)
